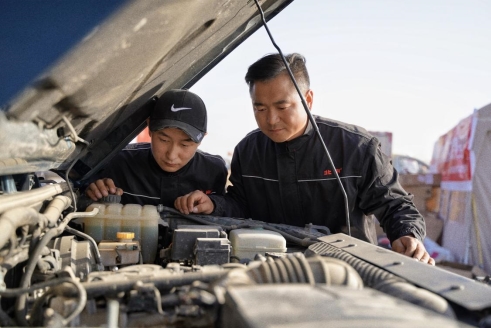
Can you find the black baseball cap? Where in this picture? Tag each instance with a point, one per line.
(180, 109)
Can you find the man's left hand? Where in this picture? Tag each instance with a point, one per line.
(193, 203)
(412, 247)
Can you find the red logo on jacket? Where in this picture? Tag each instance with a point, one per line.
(329, 172)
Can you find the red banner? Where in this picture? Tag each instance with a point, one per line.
(452, 153)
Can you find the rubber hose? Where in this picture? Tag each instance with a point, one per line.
(387, 282)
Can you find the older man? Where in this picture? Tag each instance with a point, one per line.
(281, 174)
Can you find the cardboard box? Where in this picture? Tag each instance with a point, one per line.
(425, 188)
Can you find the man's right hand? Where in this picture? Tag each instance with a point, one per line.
(101, 188)
(194, 202)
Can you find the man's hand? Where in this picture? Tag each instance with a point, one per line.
(412, 247)
(101, 188)
(194, 202)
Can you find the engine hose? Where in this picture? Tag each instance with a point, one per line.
(14, 292)
(387, 282)
(294, 268)
(15, 218)
(31, 197)
(63, 290)
(275, 272)
(36, 236)
(290, 270)
(81, 301)
(20, 304)
(97, 254)
(303, 269)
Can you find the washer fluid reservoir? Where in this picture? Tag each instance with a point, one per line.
(114, 217)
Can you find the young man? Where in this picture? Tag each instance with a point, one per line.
(281, 174)
(171, 165)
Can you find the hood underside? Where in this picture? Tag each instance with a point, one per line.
(96, 98)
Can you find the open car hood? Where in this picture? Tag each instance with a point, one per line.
(96, 98)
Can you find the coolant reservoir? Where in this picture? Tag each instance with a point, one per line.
(246, 243)
(113, 218)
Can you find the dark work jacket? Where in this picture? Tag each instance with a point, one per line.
(135, 170)
(293, 183)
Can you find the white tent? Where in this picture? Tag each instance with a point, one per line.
(463, 157)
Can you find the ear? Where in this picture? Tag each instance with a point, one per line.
(309, 98)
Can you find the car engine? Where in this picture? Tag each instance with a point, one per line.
(128, 265)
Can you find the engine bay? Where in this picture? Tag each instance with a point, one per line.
(131, 265)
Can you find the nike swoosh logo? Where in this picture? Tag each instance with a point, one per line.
(178, 108)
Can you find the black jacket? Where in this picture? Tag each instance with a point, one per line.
(293, 183)
(135, 170)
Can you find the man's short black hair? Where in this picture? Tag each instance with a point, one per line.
(270, 66)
